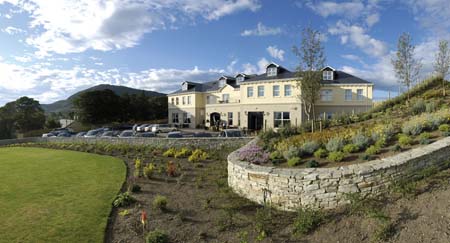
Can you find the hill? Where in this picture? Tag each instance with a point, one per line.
(65, 106)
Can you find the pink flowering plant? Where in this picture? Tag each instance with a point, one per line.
(253, 154)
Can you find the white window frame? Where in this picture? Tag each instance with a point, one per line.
(177, 101)
(230, 119)
(250, 92)
(326, 95)
(360, 94)
(189, 100)
(347, 96)
(287, 90)
(272, 71)
(276, 91)
(175, 118)
(225, 98)
(240, 79)
(327, 75)
(281, 120)
(183, 100)
(260, 89)
(185, 86)
(222, 83)
(173, 101)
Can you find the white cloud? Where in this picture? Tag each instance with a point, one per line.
(327, 8)
(351, 57)
(372, 19)
(357, 36)
(262, 30)
(432, 14)
(259, 68)
(23, 58)
(276, 53)
(66, 26)
(10, 30)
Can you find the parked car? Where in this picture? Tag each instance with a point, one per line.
(141, 128)
(174, 135)
(48, 135)
(231, 133)
(64, 134)
(146, 135)
(94, 133)
(126, 134)
(202, 135)
(148, 128)
(80, 134)
(157, 128)
(108, 134)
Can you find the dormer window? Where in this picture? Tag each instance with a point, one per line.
(222, 82)
(328, 75)
(184, 86)
(240, 79)
(271, 71)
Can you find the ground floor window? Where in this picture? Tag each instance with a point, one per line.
(239, 119)
(175, 118)
(186, 118)
(282, 119)
(230, 118)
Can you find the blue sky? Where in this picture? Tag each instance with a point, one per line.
(53, 48)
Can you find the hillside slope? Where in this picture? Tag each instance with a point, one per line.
(65, 106)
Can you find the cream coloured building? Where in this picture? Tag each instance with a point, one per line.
(263, 101)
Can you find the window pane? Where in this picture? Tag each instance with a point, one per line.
(277, 115)
(276, 90)
(286, 116)
(348, 94)
(287, 90)
(260, 91)
(249, 91)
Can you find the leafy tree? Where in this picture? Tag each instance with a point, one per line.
(28, 115)
(98, 107)
(312, 60)
(406, 67)
(52, 122)
(442, 63)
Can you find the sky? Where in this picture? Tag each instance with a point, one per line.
(50, 49)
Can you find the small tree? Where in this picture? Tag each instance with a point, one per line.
(442, 63)
(312, 59)
(406, 67)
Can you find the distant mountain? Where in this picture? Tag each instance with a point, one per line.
(65, 106)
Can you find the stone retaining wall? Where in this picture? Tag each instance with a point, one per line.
(326, 188)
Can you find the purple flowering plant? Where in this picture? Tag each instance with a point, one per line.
(253, 154)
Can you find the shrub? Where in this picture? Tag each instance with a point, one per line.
(149, 169)
(321, 153)
(160, 202)
(171, 169)
(263, 221)
(310, 147)
(137, 167)
(198, 155)
(312, 164)
(307, 220)
(350, 148)
(268, 135)
(404, 141)
(372, 150)
(183, 153)
(418, 107)
(430, 107)
(292, 152)
(444, 128)
(381, 142)
(135, 188)
(170, 152)
(275, 155)
(412, 127)
(424, 138)
(157, 236)
(335, 144)
(396, 148)
(288, 131)
(294, 161)
(253, 154)
(365, 157)
(384, 130)
(360, 140)
(336, 156)
(123, 199)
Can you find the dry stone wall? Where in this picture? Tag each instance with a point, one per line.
(326, 188)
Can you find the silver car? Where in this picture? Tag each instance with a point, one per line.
(157, 128)
(231, 133)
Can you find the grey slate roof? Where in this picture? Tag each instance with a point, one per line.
(339, 78)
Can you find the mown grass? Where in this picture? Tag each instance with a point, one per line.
(56, 196)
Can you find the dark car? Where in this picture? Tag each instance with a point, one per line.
(174, 135)
(202, 135)
(108, 134)
(64, 134)
(126, 134)
(146, 135)
(80, 134)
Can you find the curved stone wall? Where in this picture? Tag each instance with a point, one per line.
(325, 188)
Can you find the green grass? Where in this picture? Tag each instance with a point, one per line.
(56, 196)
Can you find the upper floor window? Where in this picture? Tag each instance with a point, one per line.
(327, 75)
(177, 102)
(348, 95)
(240, 79)
(359, 94)
(208, 99)
(249, 91)
(287, 90)
(260, 91)
(189, 100)
(276, 90)
(173, 101)
(326, 95)
(225, 98)
(183, 100)
(272, 71)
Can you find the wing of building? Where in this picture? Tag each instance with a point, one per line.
(263, 101)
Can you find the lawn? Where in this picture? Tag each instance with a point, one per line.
(56, 196)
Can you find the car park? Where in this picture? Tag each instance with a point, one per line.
(80, 134)
(94, 133)
(174, 135)
(146, 135)
(231, 133)
(108, 134)
(126, 134)
(158, 128)
(141, 128)
(148, 128)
